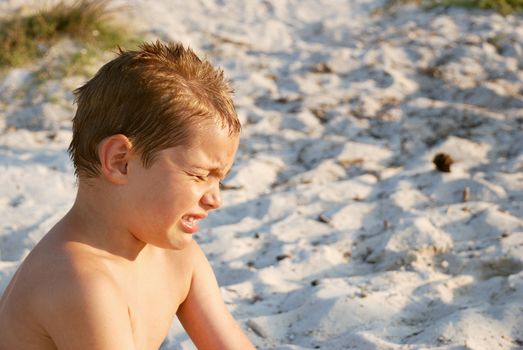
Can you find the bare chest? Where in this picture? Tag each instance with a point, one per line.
(150, 316)
(153, 297)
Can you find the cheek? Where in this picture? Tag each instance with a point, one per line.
(180, 197)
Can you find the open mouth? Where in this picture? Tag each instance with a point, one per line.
(190, 223)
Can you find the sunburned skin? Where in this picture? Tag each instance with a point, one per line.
(116, 270)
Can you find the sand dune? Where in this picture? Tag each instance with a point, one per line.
(337, 231)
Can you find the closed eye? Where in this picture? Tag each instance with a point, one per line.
(197, 177)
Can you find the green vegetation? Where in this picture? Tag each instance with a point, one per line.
(504, 7)
(88, 23)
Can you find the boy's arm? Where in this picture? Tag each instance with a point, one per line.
(87, 313)
(204, 315)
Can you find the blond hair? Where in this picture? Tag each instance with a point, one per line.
(156, 96)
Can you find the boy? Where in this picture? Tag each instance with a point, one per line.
(154, 134)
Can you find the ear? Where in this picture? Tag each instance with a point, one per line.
(114, 153)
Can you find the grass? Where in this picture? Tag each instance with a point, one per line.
(504, 7)
(24, 39)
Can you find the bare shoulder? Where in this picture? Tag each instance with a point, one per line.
(50, 268)
(66, 275)
(73, 276)
(187, 261)
(182, 265)
(203, 313)
(192, 255)
(58, 268)
(78, 304)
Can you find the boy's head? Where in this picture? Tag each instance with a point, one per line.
(157, 96)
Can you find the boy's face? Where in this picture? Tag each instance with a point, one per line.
(167, 200)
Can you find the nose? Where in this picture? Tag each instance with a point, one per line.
(212, 199)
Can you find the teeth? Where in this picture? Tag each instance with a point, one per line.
(190, 220)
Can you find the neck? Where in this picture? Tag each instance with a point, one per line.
(98, 219)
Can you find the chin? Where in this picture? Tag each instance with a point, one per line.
(180, 242)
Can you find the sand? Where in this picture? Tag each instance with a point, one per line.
(337, 230)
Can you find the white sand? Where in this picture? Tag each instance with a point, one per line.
(337, 233)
